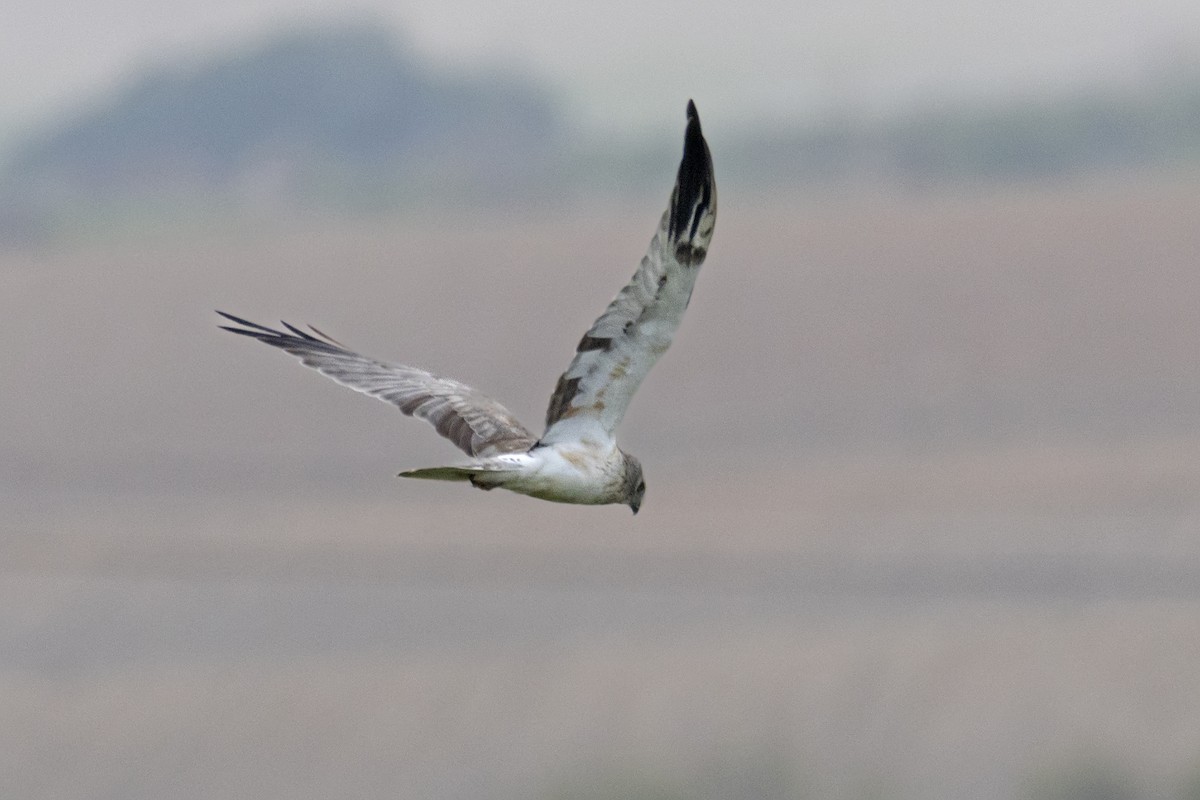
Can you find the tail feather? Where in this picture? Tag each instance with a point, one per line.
(442, 473)
(461, 473)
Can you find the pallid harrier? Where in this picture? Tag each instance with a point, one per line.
(577, 459)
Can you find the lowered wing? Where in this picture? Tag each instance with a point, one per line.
(476, 424)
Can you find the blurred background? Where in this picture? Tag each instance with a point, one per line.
(923, 463)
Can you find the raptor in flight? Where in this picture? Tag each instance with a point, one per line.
(576, 459)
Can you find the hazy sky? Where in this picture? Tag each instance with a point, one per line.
(617, 64)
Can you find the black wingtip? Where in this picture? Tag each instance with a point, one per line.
(293, 336)
(694, 184)
(694, 135)
(243, 322)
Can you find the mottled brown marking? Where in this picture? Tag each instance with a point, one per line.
(593, 343)
(560, 401)
(578, 460)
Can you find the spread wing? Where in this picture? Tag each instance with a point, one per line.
(476, 424)
(622, 345)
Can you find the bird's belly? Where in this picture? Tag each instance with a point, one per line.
(565, 476)
(561, 488)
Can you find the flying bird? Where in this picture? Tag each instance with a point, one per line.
(576, 459)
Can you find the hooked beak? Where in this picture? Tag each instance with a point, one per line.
(635, 508)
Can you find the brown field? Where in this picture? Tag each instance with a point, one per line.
(922, 520)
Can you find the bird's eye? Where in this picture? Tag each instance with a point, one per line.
(642, 486)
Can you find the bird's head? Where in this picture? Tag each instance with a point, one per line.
(634, 484)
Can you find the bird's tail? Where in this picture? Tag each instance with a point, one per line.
(442, 473)
(475, 473)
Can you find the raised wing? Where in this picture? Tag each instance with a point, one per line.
(476, 424)
(637, 327)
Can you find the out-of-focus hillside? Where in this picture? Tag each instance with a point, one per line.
(343, 118)
(1155, 123)
(349, 121)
